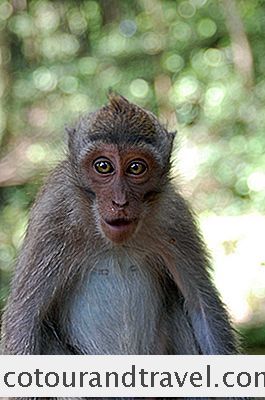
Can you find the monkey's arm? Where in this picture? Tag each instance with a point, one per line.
(30, 298)
(41, 269)
(187, 261)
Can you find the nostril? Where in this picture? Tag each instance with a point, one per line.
(120, 204)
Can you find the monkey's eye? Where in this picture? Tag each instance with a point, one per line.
(103, 166)
(136, 168)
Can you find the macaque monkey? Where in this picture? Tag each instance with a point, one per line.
(112, 261)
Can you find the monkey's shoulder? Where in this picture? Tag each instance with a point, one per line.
(182, 228)
(174, 208)
(59, 204)
(56, 186)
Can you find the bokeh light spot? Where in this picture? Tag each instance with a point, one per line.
(256, 181)
(22, 25)
(92, 9)
(206, 27)
(113, 44)
(36, 153)
(215, 95)
(139, 88)
(6, 10)
(213, 57)
(152, 43)
(47, 17)
(77, 22)
(44, 79)
(68, 84)
(174, 63)
(128, 27)
(59, 46)
(186, 87)
(186, 9)
(181, 31)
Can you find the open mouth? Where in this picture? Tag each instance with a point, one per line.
(119, 222)
(119, 229)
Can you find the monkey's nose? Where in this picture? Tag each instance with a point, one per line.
(120, 204)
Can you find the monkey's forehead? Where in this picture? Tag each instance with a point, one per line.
(120, 123)
(122, 137)
(127, 127)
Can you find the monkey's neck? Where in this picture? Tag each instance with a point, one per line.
(120, 260)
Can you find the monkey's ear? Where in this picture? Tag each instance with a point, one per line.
(69, 130)
(172, 134)
(71, 133)
(170, 141)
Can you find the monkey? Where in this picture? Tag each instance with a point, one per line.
(113, 261)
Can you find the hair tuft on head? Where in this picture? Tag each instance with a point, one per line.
(118, 103)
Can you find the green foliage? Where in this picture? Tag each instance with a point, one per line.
(254, 336)
(60, 58)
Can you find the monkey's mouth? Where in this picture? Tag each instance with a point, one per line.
(119, 222)
(119, 229)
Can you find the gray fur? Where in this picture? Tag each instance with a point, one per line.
(62, 303)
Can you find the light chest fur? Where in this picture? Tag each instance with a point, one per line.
(117, 309)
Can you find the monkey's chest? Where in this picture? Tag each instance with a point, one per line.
(117, 310)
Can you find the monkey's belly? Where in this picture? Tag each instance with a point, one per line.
(117, 310)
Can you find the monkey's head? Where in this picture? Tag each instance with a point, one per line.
(120, 155)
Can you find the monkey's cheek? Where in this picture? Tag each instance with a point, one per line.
(118, 233)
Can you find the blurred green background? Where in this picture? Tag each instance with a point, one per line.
(198, 64)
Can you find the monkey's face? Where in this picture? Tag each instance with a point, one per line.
(123, 182)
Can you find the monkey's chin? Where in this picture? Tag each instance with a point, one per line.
(118, 231)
